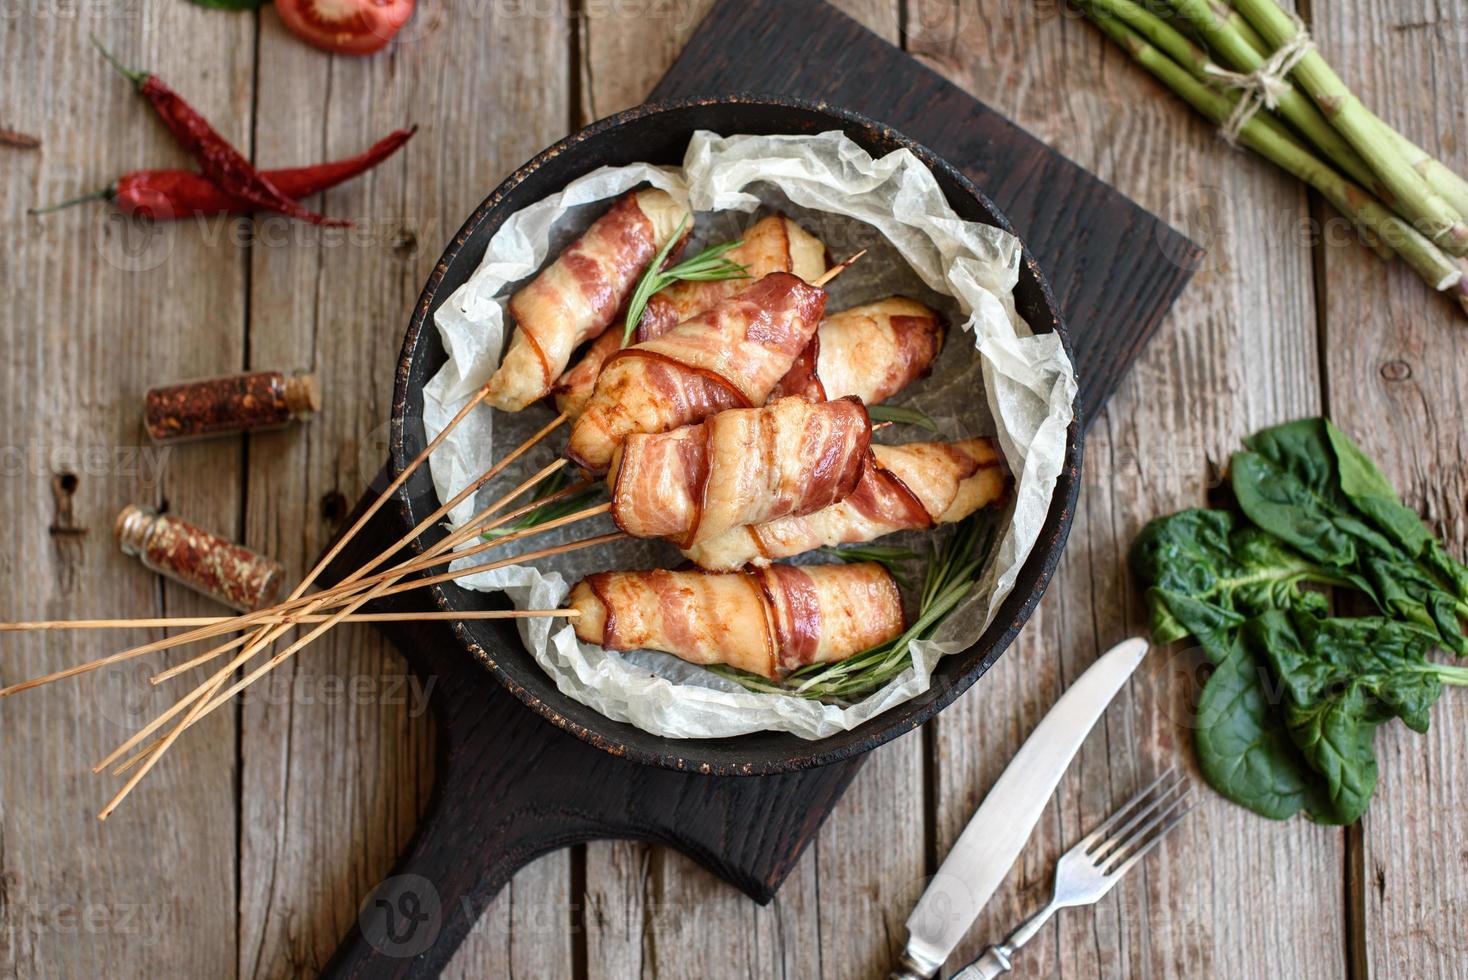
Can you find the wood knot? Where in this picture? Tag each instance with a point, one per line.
(333, 507)
(1396, 370)
(405, 243)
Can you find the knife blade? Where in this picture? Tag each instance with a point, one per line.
(998, 830)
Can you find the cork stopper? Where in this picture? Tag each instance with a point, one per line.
(302, 394)
(131, 528)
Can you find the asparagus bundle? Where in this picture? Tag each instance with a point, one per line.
(1402, 201)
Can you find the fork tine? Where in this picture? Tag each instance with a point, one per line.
(1140, 814)
(1115, 854)
(1141, 852)
(1121, 811)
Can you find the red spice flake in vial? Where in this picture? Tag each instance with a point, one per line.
(233, 403)
(227, 572)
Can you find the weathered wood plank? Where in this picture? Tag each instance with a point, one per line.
(338, 758)
(98, 308)
(1237, 353)
(653, 913)
(1395, 357)
(625, 48)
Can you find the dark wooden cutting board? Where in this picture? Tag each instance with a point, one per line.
(512, 786)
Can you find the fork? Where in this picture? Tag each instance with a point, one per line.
(1097, 862)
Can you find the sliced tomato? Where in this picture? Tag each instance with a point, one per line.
(346, 26)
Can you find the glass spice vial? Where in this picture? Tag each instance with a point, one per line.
(227, 572)
(232, 403)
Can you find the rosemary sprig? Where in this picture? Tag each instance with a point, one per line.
(953, 571)
(707, 266)
(549, 512)
(907, 416)
(889, 556)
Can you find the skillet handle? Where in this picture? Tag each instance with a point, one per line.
(511, 786)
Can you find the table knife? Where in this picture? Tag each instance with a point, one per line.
(989, 845)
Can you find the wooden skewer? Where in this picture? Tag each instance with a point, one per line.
(250, 619)
(267, 634)
(167, 621)
(838, 268)
(202, 692)
(439, 555)
(377, 582)
(270, 617)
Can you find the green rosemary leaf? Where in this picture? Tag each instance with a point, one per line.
(549, 512)
(906, 416)
(706, 266)
(888, 556)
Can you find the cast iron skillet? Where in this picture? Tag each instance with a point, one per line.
(659, 133)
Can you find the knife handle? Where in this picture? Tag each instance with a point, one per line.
(908, 968)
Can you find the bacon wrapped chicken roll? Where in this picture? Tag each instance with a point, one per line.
(901, 488)
(745, 466)
(772, 244)
(730, 356)
(767, 622)
(576, 297)
(871, 351)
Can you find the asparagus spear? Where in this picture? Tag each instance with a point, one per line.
(1454, 189)
(1195, 59)
(1267, 137)
(1238, 53)
(1416, 201)
(1441, 178)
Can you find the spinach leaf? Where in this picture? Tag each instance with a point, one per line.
(1370, 492)
(1309, 484)
(1334, 737)
(1244, 748)
(1337, 681)
(1207, 574)
(1287, 719)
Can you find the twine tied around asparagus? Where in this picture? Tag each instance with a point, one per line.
(1265, 84)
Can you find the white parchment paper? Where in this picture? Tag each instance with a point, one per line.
(993, 378)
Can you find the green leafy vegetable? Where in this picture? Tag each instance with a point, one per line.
(905, 416)
(1244, 749)
(707, 266)
(1287, 718)
(953, 571)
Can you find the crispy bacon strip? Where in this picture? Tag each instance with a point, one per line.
(871, 351)
(901, 488)
(745, 466)
(772, 244)
(767, 622)
(730, 356)
(576, 297)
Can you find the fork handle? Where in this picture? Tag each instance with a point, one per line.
(996, 960)
(993, 963)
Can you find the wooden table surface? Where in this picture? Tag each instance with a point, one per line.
(246, 852)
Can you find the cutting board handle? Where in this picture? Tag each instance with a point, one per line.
(511, 786)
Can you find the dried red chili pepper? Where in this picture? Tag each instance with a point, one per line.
(217, 158)
(165, 194)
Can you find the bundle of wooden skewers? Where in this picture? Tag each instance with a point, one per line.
(1253, 69)
(736, 427)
